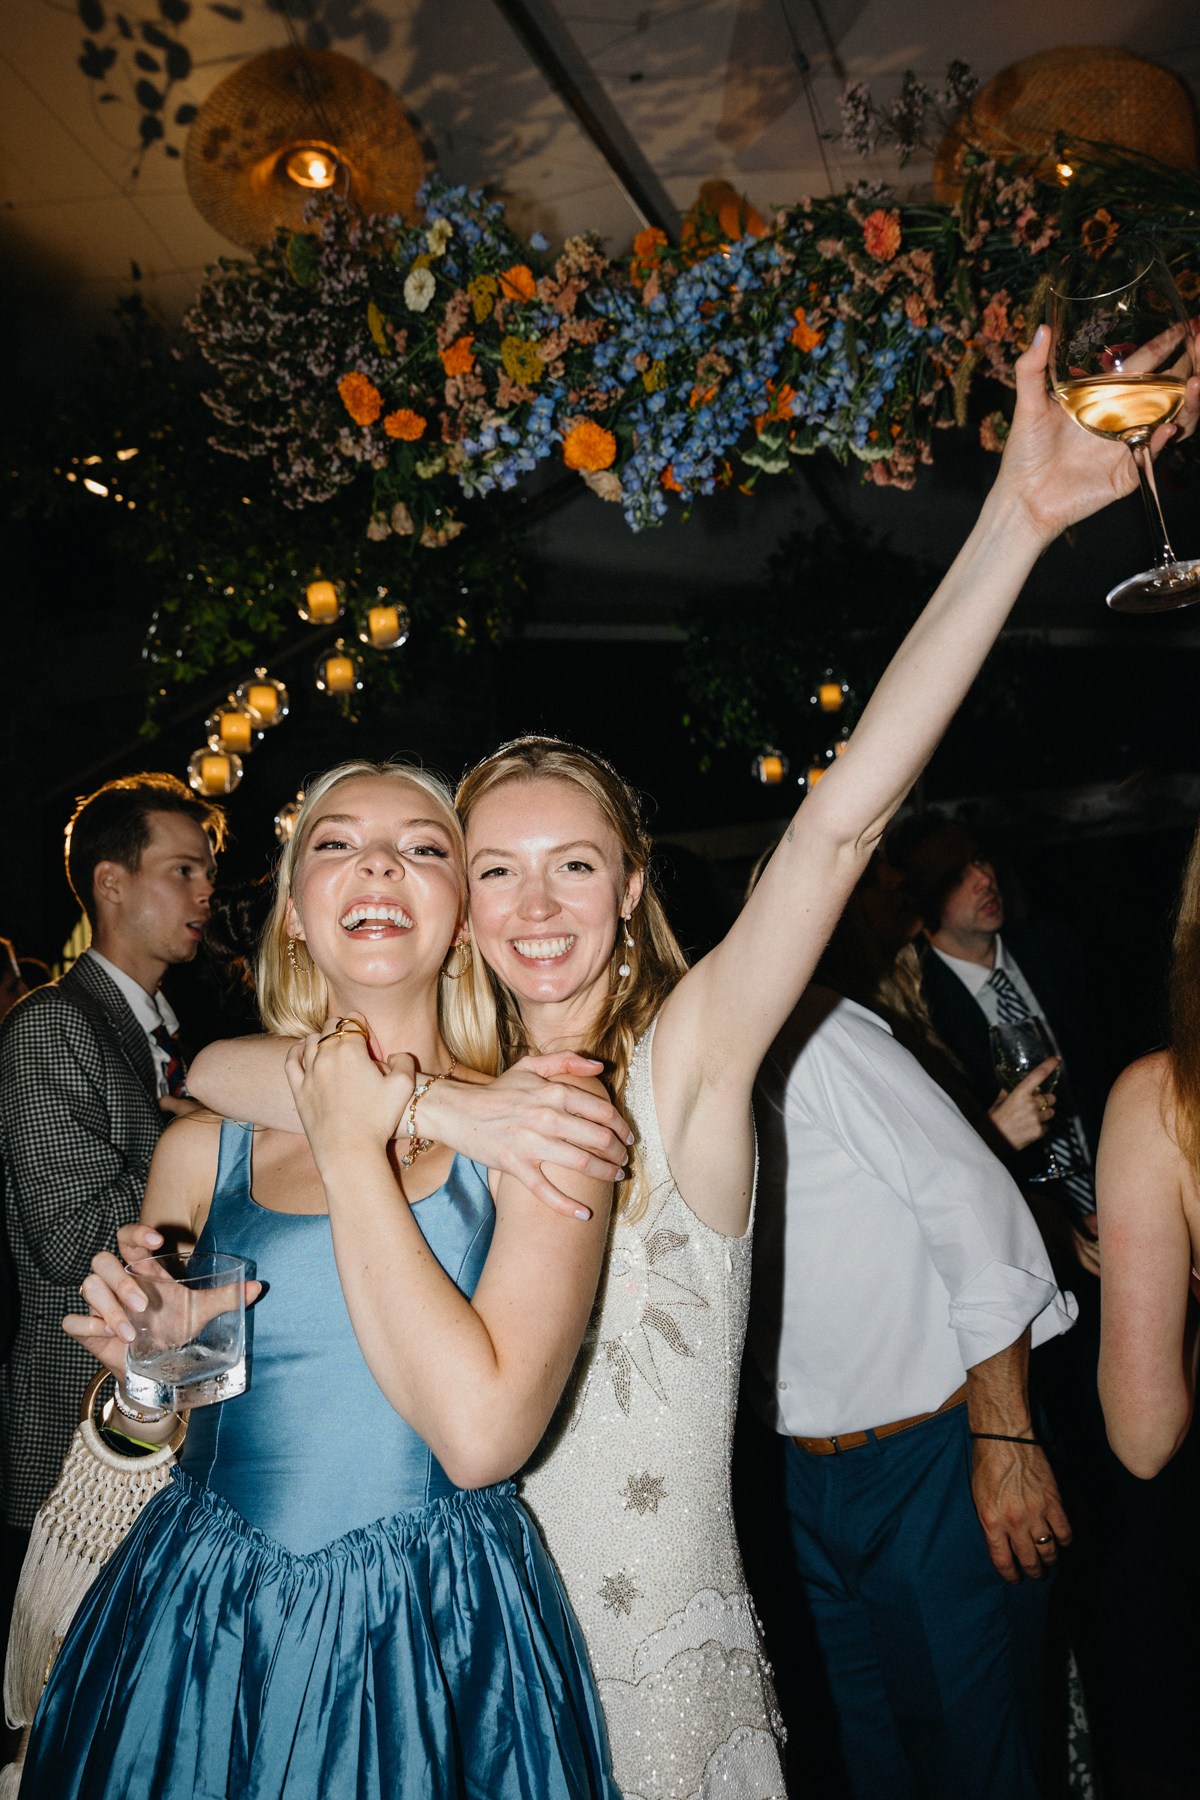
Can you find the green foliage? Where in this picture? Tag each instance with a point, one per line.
(221, 561)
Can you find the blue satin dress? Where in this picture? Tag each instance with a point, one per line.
(311, 1610)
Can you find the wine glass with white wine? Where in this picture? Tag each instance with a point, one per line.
(1120, 357)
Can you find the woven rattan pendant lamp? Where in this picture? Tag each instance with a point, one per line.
(1098, 95)
(290, 123)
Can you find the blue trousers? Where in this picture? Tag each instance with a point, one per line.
(935, 1663)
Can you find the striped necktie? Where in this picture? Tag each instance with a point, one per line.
(1078, 1185)
(174, 1072)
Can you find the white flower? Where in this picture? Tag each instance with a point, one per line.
(419, 290)
(438, 236)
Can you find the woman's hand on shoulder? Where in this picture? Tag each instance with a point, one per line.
(546, 1111)
(346, 1100)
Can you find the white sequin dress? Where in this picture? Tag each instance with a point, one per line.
(631, 1490)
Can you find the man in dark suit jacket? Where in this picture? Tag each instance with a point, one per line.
(1123, 1582)
(90, 1074)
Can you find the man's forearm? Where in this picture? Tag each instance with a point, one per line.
(998, 1391)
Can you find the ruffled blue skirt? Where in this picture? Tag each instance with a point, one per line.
(430, 1656)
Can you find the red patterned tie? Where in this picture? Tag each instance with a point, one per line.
(175, 1074)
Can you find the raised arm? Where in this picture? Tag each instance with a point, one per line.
(480, 1378)
(1147, 1342)
(719, 1022)
(538, 1116)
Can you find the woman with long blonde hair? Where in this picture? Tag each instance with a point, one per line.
(338, 1596)
(1148, 1204)
(570, 951)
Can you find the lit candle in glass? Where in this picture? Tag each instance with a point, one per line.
(383, 623)
(829, 694)
(339, 674)
(235, 731)
(770, 768)
(263, 699)
(322, 602)
(214, 773)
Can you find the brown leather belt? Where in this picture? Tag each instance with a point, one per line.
(854, 1440)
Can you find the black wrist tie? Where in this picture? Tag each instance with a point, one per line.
(998, 1437)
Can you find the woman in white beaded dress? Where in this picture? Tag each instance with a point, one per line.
(571, 951)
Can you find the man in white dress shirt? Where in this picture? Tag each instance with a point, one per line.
(899, 1280)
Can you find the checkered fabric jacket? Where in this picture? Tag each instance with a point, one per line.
(78, 1124)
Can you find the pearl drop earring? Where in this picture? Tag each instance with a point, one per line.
(623, 971)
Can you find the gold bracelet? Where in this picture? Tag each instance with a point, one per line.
(419, 1145)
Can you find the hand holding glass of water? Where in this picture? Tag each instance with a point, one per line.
(1121, 353)
(1017, 1049)
(189, 1346)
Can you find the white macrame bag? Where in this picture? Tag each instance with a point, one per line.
(98, 1497)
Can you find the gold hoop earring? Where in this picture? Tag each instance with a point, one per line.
(291, 953)
(624, 970)
(465, 952)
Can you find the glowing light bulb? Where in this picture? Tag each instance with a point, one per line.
(1064, 172)
(310, 167)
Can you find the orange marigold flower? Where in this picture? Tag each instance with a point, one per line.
(881, 231)
(405, 424)
(668, 479)
(459, 357)
(645, 243)
(700, 396)
(804, 337)
(780, 406)
(588, 446)
(360, 397)
(518, 283)
(648, 246)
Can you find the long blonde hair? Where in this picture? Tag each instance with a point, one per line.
(1185, 1015)
(495, 1032)
(293, 996)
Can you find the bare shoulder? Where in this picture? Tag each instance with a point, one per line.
(191, 1145)
(1141, 1098)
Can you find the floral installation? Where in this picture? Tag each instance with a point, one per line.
(449, 358)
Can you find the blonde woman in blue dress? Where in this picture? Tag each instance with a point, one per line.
(338, 1596)
(570, 951)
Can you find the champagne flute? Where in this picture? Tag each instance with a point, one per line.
(1016, 1049)
(1120, 358)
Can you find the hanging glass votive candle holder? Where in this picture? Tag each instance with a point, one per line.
(264, 698)
(230, 729)
(831, 693)
(214, 773)
(338, 671)
(387, 623)
(818, 766)
(770, 768)
(285, 818)
(323, 602)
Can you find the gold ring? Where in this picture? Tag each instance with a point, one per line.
(340, 1030)
(1045, 1540)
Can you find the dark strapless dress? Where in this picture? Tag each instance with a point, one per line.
(311, 1610)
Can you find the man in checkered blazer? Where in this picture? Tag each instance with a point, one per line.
(90, 1075)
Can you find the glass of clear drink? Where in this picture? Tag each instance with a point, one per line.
(1017, 1049)
(1121, 353)
(190, 1347)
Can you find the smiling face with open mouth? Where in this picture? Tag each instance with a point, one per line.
(548, 886)
(378, 893)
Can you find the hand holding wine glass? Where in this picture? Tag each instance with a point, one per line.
(1018, 1048)
(1121, 359)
